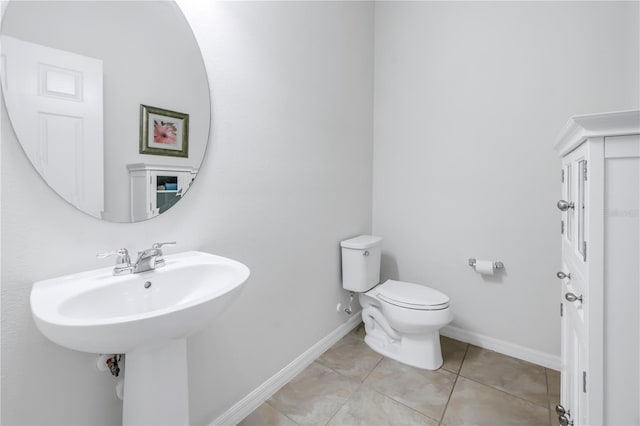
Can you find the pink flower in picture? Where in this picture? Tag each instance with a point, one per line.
(164, 132)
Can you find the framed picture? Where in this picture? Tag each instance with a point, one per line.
(163, 132)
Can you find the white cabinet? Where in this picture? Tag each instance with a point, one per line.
(600, 300)
(155, 188)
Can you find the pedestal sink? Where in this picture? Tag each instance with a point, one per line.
(146, 316)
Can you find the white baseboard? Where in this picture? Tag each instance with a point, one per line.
(521, 352)
(246, 405)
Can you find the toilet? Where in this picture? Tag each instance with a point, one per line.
(402, 320)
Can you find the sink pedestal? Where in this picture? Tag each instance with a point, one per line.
(155, 385)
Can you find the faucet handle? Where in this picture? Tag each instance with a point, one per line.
(159, 260)
(122, 262)
(123, 252)
(158, 245)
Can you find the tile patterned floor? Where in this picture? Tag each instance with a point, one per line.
(352, 385)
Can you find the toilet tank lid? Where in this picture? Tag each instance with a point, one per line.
(361, 242)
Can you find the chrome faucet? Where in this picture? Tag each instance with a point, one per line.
(147, 259)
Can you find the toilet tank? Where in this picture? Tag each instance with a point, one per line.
(361, 263)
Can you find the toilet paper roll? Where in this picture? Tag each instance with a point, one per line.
(484, 267)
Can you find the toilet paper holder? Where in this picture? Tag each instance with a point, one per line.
(496, 265)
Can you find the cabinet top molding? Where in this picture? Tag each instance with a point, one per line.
(159, 167)
(581, 127)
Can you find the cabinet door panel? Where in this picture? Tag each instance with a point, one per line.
(576, 191)
(574, 354)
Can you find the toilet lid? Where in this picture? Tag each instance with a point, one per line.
(410, 295)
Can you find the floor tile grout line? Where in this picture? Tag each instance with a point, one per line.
(384, 394)
(267, 402)
(404, 405)
(389, 396)
(398, 402)
(446, 406)
(349, 377)
(458, 373)
(382, 357)
(546, 378)
(537, 404)
(363, 384)
(350, 396)
(344, 375)
(551, 403)
(360, 385)
(343, 404)
(503, 391)
(329, 368)
(373, 389)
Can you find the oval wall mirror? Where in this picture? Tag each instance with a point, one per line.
(109, 100)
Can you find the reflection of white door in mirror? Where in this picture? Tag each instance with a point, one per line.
(59, 98)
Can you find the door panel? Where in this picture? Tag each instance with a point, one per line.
(59, 100)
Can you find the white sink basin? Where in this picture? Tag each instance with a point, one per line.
(97, 312)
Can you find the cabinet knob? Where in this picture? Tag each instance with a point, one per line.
(561, 411)
(572, 297)
(564, 421)
(565, 205)
(561, 275)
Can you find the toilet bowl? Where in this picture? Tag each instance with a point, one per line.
(402, 320)
(407, 331)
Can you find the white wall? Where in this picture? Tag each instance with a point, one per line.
(287, 175)
(468, 100)
(142, 65)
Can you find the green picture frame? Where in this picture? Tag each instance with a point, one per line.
(163, 132)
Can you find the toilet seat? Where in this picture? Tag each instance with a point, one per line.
(410, 296)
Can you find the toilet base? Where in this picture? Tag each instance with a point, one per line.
(417, 350)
